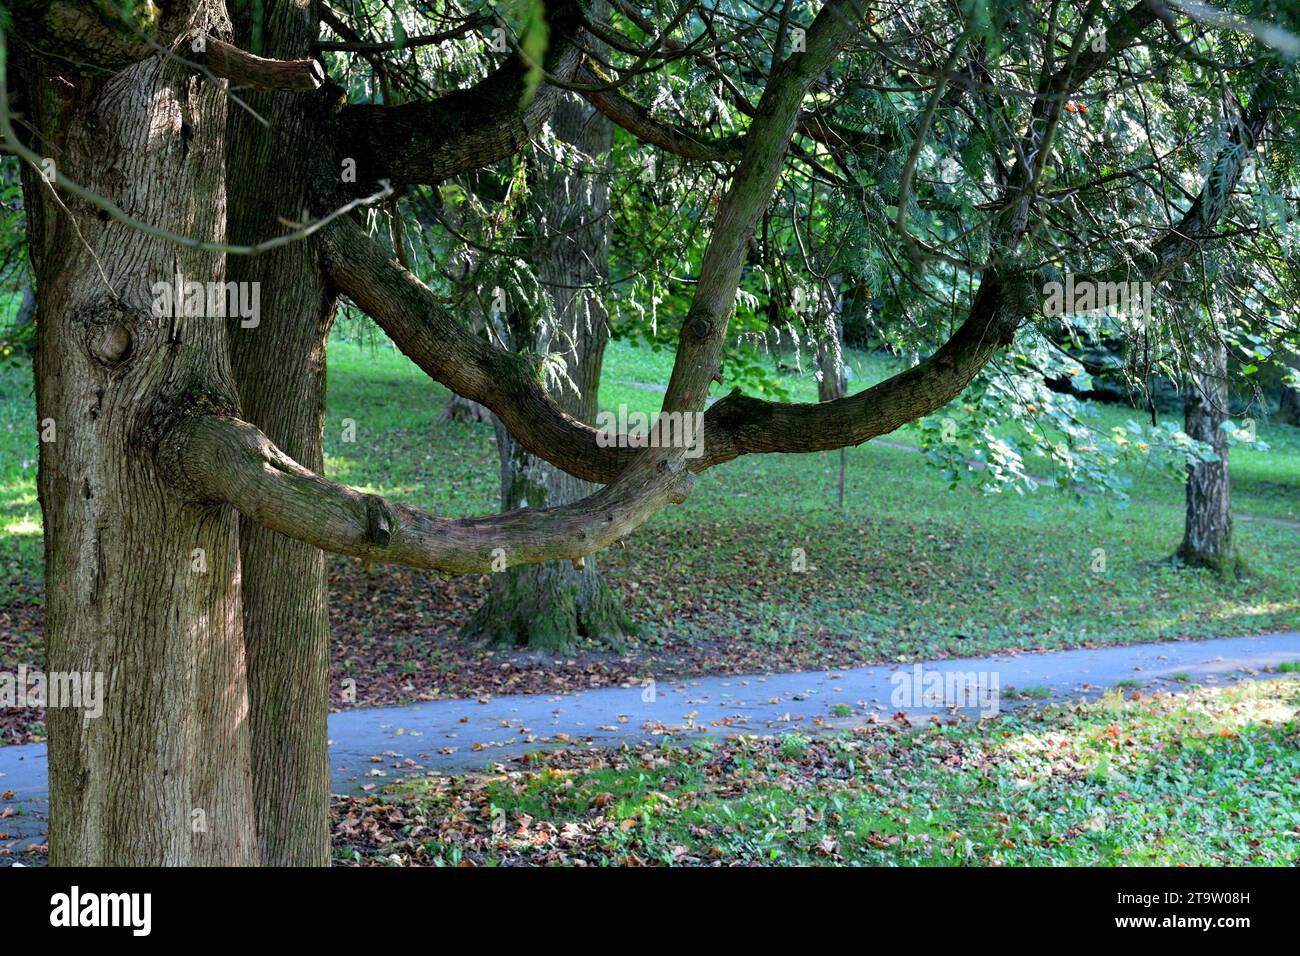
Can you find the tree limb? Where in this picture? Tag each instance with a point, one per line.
(222, 459)
(622, 110)
(426, 142)
(245, 70)
(424, 330)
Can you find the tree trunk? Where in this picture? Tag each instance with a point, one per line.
(1288, 409)
(279, 365)
(1288, 405)
(1207, 537)
(832, 380)
(551, 606)
(26, 314)
(832, 383)
(460, 409)
(143, 581)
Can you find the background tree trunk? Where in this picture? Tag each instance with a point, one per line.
(832, 379)
(832, 382)
(460, 409)
(1289, 407)
(550, 606)
(279, 366)
(26, 313)
(1207, 537)
(142, 581)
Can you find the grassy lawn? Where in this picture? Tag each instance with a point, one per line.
(908, 568)
(1203, 778)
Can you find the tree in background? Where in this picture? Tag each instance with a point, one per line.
(552, 605)
(1207, 538)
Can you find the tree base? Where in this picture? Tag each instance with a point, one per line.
(550, 607)
(1229, 567)
(460, 409)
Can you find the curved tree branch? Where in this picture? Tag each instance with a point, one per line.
(222, 459)
(244, 70)
(441, 345)
(446, 349)
(424, 330)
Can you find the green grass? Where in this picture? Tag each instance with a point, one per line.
(907, 570)
(1201, 778)
(20, 514)
(1264, 483)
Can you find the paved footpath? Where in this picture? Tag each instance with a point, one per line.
(373, 746)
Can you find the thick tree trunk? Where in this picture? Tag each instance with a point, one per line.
(551, 606)
(1207, 537)
(142, 580)
(279, 366)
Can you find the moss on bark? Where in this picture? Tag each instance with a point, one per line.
(550, 607)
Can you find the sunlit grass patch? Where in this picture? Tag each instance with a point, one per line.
(1203, 778)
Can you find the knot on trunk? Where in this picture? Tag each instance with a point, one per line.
(109, 333)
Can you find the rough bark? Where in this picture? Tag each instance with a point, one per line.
(279, 366)
(1207, 534)
(142, 581)
(26, 314)
(151, 447)
(551, 606)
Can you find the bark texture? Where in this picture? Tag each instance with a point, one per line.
(153, 448)
(279, 365)
(460, 409)
(832, 382)
(143, 581)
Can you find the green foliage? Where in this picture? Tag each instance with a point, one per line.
(534, 37)
(828, 245)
